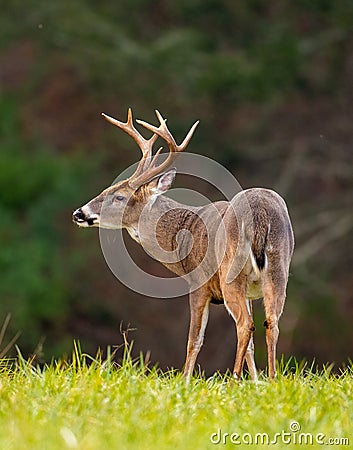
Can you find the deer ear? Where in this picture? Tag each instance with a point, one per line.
(163, 183)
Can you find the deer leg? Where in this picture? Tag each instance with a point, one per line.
(199, 309)
(249, 355)
(235, 302)
(274, 298)
(250, 360)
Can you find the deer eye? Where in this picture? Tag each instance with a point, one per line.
(119, 197)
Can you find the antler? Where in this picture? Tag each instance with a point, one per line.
(147, 168)
(162, 131)
(145, 145)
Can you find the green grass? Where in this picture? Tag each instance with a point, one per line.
(94, 404)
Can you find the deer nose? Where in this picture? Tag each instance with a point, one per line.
(78, 215)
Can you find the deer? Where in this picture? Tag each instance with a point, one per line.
(247, 243)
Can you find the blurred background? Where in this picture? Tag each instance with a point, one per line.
(270, 81)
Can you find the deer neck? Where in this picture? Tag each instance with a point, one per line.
(158, 230)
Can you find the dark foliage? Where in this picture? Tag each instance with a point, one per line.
(270, 82)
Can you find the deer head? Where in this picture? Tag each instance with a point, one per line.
(125, 200)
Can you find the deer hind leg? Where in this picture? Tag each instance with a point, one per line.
(199, 309)
(274, 298)
(249, 355)
(235, 302)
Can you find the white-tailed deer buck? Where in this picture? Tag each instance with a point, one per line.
(232, 253)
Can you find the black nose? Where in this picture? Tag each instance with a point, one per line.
(78, 215)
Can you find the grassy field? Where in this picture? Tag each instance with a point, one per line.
(94, 404)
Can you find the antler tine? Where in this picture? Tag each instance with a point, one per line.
(144, 144)
(163, 127)
(165, 134)
(188, 137)
(162, 130)
(155, 157)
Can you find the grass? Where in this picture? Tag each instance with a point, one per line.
(94, 404)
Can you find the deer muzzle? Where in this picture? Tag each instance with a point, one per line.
(84, 219)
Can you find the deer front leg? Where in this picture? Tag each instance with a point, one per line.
(199, 309)
(249, 355)
(250, 360)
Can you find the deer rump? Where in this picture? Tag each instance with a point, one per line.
(258, 229)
